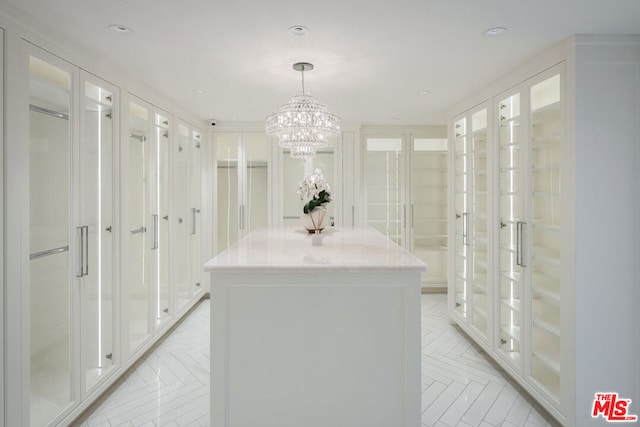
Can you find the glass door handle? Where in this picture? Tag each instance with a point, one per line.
(520, 243)
(193, 221)
(154, 244)
(411, 215)
(465, 229)
(84, 250)
(241, 216)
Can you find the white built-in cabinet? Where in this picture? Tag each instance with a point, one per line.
(243, 165)
(162, 251)
(471, 277)
(106, 225)
(72, 217)
(541, 161)
(405, 196)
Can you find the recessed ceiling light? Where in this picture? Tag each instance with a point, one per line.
(494, 31)
(200, 91)
(424, 92)
(118, 28)
(298, 30)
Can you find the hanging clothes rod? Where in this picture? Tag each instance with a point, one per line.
(48, 252)
(248, 167)
(48, 112)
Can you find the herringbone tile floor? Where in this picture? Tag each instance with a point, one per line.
(460, 387)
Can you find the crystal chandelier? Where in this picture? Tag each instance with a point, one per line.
(302, 125)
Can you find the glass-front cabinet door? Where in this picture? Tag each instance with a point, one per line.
(186, 262)
(512, 228)
(138, 225)
(428, 216)
(384, 186)
(161, 247)
(196, 268)
(478, 221)
(54, 247)
(96, 233)
(243, 203)
(180, 216)
(546, 220)
(461, 211)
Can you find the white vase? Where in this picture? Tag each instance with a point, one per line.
(316, 220)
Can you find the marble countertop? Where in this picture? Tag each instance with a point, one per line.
(289, 249)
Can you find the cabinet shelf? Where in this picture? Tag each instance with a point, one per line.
(512, 303)
(549, 360)
(429, 220)
(546, 318)
(547, 140)
(384, 204)
(546, 289)
(481, 311)
(511, 331)
(546, 226)
(512, 120)
(546, 255)
(425, 248)
(513, 276)
(479, 287)
(546, 166)
(546, 194)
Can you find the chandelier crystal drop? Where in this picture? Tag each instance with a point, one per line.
(303, 124)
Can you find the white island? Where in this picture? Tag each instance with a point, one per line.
(315, 336)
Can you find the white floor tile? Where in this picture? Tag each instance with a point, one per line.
(170, 388)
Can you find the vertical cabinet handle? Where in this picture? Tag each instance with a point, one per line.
(154, 244)
(84, 251)
(404, 216)
(520, 243)
(353, 215)
(411, 215)
(465, 228)
(81, 264)
(193, 221)
(241, 216)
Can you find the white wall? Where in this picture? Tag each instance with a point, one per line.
(607, 228)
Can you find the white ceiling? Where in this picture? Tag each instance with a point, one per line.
(371, 57)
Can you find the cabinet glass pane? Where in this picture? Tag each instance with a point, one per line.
(181, 220)
(195, 200)
(511, 227)
(162, 248)
(429, 207)
(383, 186)
(462, 166)
(479, 185)
(256, 201)
(139, 279)
(96, 195)
(545, 239)
(50, 267)
(227, 154)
